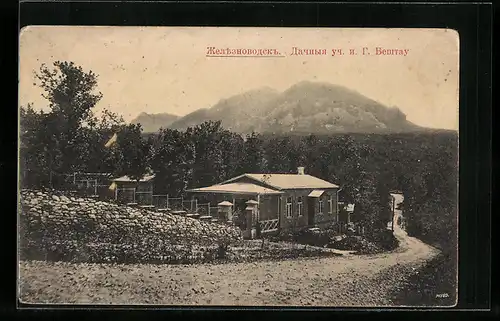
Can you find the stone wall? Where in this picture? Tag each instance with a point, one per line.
(80, 229)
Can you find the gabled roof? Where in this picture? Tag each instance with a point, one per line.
(286, 181)
(398, 198)
(145, 178)
(316, 193)
(237, 188)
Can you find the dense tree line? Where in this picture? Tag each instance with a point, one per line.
(71, 138)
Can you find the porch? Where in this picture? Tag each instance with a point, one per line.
(249, 206)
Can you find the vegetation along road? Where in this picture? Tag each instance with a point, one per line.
(349, 280)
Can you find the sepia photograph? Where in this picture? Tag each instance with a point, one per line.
(238, 166)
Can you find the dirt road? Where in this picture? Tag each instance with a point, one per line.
(350, 280)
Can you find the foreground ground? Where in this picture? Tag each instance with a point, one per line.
(348, 280)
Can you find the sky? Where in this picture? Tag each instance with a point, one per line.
(165, 69)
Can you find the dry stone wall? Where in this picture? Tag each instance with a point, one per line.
(80, 229)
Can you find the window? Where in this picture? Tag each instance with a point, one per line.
(330, 205)
(320, 206)
(299, 206)
(288, 207)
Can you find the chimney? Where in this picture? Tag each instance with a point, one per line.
(300, 170)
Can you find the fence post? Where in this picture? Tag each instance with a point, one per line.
(196, 205)
(167, 202)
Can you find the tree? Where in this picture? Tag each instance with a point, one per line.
(172, 158)
(34, 163)
(97, 132)
(232, 146)
(208, 166)
(382, 202)
(131, 152)
(71, 95)
(281, 154)
(253, 157)
(350, 168)
(70, 91)
(310, 154)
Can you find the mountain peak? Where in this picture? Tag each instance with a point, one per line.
(305, 107)
(153, 122)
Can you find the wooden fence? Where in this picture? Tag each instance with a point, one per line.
(269, 226)
(144, 198)
(160, 201)
(208, 209)
(125, 195)
(174, 203)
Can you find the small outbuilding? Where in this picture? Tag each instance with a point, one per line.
(132, 190)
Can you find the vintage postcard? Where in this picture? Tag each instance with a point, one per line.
(204, 166)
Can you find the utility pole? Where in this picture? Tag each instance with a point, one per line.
(393, 212)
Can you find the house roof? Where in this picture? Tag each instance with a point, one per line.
(237, 188)
(145, 178)
(225, 203)
(316, 193)
(398, 198)
(286, 181)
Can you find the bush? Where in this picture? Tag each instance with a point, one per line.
(357, 243)
(385, 239)
(320, 238)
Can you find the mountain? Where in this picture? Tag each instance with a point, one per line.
(153, 122)
(238, 113)
(306, 107)
(311, 107)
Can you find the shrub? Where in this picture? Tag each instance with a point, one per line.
(357, 243)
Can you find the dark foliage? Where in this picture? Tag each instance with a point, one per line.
(328, 238)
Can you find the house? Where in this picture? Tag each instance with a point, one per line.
(130, 190)
(276, 201)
